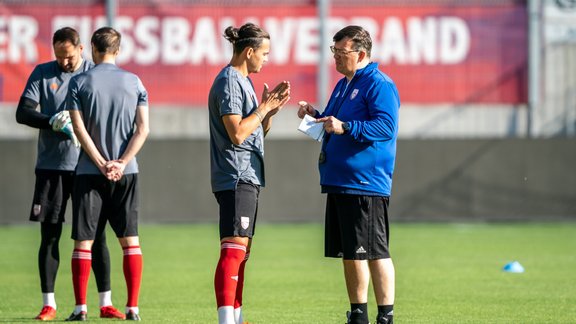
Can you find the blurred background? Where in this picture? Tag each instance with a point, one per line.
(488, 91)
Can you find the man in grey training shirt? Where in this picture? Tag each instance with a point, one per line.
(109, 111)
(238, 124)
(58, 151)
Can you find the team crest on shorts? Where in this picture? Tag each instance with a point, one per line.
(36, 209)
(244, 222)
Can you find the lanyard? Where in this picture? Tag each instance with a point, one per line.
(338, 104)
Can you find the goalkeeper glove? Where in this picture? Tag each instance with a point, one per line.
(68, 130)
(61, 122)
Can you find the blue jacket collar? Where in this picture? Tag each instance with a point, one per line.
(371, 66)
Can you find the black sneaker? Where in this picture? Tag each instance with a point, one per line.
(348, 314)
(80, 317)
(131, 316)
(384, 320)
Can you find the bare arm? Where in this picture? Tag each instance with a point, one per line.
(139, 136)
(86, 141)
(116, 168)
(239, 128)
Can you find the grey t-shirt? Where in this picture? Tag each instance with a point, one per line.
(107, 97)
(232, 93)
(48, 86)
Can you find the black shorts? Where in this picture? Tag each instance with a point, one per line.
(238, 210)
(97, 200)
(356, 227)
(51, 193)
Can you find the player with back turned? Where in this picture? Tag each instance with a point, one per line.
(58, 152)
(238, 124)
(109, 111)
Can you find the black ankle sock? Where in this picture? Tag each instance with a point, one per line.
(385, 311)
(359, 313)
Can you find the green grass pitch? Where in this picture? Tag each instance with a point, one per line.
(445, 273)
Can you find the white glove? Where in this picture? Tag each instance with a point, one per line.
(68, 130)
(60, 120)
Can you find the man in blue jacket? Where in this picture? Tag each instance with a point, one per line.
(356, 164)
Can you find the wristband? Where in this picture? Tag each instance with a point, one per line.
(259, 116)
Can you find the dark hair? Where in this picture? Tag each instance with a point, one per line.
(66, 34)
(359, 36)
(106, 40)
(249, 35)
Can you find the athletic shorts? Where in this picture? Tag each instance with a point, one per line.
(238, 210)
(97, 200)
(356, 227)
(51, 193)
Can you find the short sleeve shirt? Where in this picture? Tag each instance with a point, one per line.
(233, 94)
(48, 86)
(108, 98)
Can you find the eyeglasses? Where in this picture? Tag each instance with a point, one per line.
(340, 51)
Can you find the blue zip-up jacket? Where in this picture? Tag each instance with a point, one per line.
(362, 160)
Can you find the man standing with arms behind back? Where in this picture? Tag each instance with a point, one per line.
(109, 111)
(356, 163)
(58, 151)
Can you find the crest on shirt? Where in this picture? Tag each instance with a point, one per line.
(244, 222)
(354, 94)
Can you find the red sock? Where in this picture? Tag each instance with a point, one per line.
(240, 285)
(132, 273)
(227, 277)
(81, 263)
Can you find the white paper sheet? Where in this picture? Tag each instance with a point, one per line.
(310, 127)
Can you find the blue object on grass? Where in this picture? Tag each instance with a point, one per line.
(514, 267)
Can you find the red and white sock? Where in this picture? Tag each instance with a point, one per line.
(132, 264)
(239, 290)
(81, 264)
(226, 279)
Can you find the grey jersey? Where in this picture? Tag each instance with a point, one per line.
(107, 97)
(48, 86)
(232, 93)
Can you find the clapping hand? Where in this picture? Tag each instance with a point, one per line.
(277, 98)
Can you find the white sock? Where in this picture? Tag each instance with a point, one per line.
(80, 308)
(238, 315)
(105, 298)
(133, 309)
(226, 315)
(49, 299)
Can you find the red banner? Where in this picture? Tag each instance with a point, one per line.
(436, 54)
